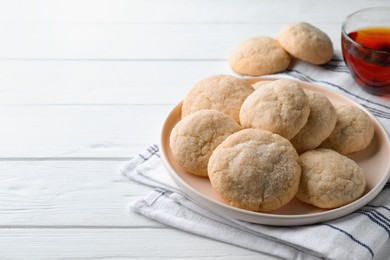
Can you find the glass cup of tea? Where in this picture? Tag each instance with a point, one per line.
(366, 48)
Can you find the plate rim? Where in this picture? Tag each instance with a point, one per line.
(271, 218)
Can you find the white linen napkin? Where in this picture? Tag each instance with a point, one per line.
(363, 234)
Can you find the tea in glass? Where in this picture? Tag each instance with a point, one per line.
(366, 48)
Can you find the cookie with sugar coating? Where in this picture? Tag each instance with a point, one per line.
(281, 107)
(322, 120)
(306, 42)
(258, 56)
(353, 132)
(255, 170)
(329, 179)
(195, 137)
(223, 93)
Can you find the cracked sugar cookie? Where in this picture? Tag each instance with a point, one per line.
(255, 170)
(281, 107)
(195, 137)
(224, 93)
(329, 179)
(322, 120)
(353, 132)
(258, 56)
(306, 42)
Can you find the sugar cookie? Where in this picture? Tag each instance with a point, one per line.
(224, 93)
(353, 132)
(255, 170)
(258, 56)
(319, 125)
(306, 42)
(281, 107)
(195, 137)
(329, 179)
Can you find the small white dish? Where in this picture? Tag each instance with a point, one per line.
(375, 161)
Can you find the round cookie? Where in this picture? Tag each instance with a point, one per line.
(281, 107)
(353, 132)
(306, 42)
(195, 137)
(329, 179)
(258, 56)
(255, 170)
(224, 93)
(319, 125)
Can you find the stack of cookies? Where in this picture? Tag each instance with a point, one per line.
(265, 144)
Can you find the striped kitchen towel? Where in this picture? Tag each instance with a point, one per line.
(363, 234)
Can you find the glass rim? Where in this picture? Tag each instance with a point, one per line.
(356, 43)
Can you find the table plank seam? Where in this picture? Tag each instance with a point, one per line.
(33, 159)
(114, 59)
(77, 227)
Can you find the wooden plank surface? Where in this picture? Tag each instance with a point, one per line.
(76, 82)
(179, 11)
(134, 41)
(68, 193)
(98, 131)
(86, 85)
(114, 243)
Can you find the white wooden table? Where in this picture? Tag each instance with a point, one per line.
(86, 85)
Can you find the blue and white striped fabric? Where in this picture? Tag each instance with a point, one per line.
(364, 234)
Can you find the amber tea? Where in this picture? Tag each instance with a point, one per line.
(371, 69)
(366, 48)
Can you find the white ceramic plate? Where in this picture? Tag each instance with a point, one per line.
(375, 161)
